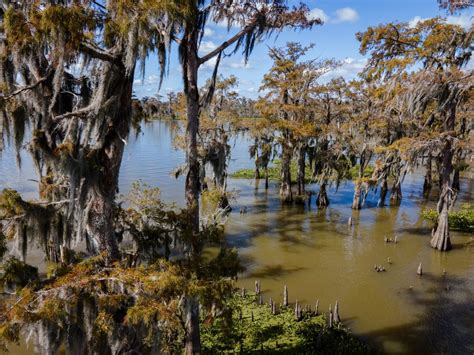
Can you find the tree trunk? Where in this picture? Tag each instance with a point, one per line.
(428, 176)
(285, 188)
(301, 169)
(101, 195)
(190, 70)
(396, 195)
(257, 170)
(357, 200)
(322, 200)
(100, 228)
(383, 192)
(191, 66)
(440, 235)
(193, 341)
(456, 184)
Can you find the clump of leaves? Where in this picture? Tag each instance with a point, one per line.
(462, 220)
(17, 274)
(10, 203)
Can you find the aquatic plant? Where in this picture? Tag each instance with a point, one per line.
(461, 220)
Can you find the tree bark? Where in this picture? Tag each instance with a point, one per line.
(193, 341)
(301, 169)
(383, 192)
(357, 200)
(101, 196)
(440, 235)
(322, 200)
(257, 170)
(396, 195)
(428, 176)
(191, 66)
(285, 187)
(190, 70)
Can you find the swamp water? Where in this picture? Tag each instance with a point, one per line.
(317, 255)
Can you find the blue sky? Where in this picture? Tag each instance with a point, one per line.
(334, 39)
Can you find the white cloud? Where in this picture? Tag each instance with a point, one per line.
(207, 46)
(211, 63)
(414, 21)
(208, 32)
(463, 20)
(149, 80)
(346, 14)
(349, 69)
(239, 65)
(318, 13)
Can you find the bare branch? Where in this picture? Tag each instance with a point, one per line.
(26, 88)
(227, 43)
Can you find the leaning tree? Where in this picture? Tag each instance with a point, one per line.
(436, 53)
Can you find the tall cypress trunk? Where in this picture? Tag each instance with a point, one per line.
(357, 199)
(285, 187)
(440, 234)
(322, 200)
(257, 169)
(428, 176)
(192, 127)
(192, 341)
(396, 195)
(101, 196)
(301, 169)
(190, 70)
(383, 192)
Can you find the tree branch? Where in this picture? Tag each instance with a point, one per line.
(98, 53)
(26, 88)
(227, 43)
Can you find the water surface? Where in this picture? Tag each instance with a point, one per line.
(317, 255)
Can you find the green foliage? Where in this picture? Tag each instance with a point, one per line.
(274, 172)
(269, 334)
(17, 274)
(354, 172)
(462, 220)
(10, 203)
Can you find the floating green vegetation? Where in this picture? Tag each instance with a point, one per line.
(255, 329)
(462, 220)
(274, 172)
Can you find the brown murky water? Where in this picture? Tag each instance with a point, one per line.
(318, 256)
